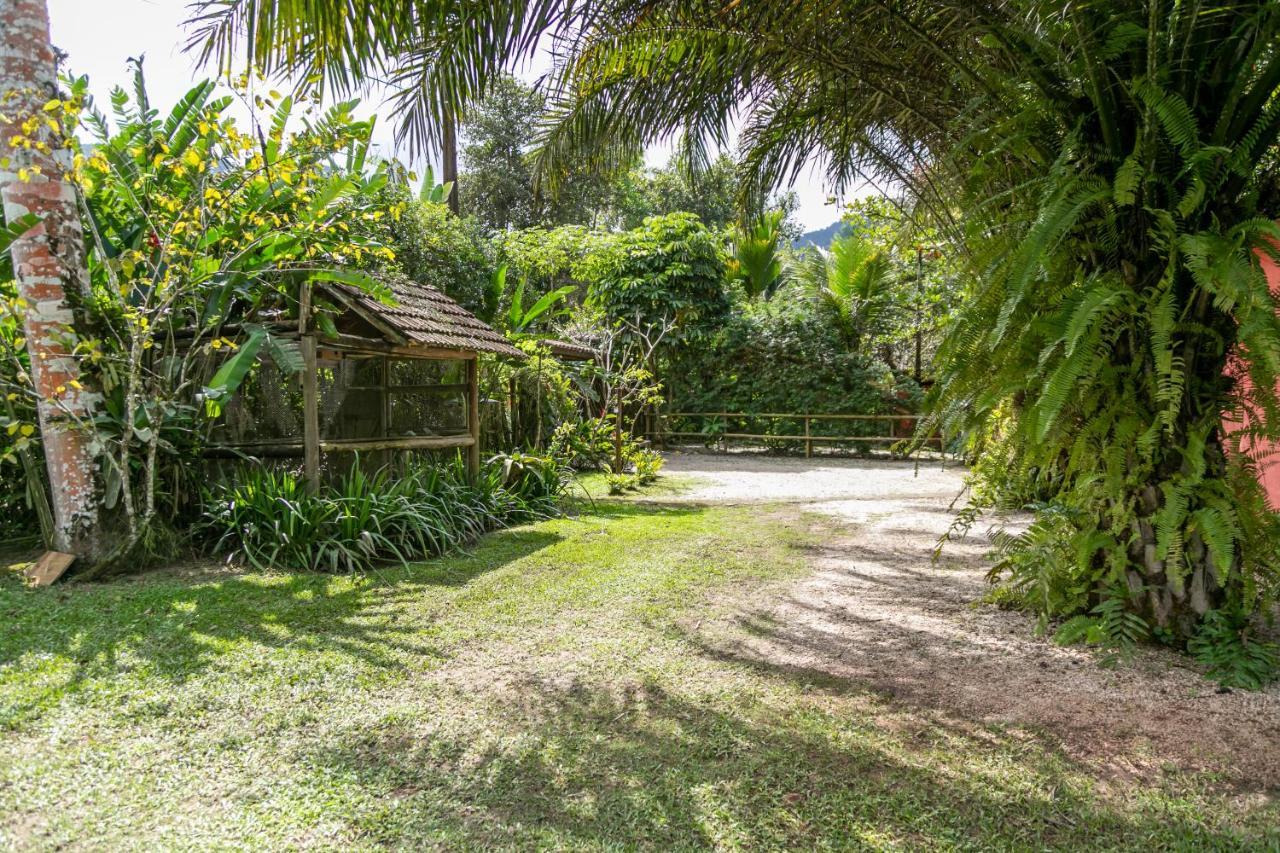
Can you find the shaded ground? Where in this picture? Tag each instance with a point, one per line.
(672, 673)
(879, 612)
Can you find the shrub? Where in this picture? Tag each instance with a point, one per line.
(1231, 656)
(669, 269)
(585, 445)
(647, 463)
(269, 519)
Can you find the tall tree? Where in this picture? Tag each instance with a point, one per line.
(49, 266)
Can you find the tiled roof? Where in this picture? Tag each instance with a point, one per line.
(426, 317)
(569, 350)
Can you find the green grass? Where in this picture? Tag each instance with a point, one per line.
(550, 689)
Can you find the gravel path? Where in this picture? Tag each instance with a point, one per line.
(881, 614)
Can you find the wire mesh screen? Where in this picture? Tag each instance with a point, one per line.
(361, 397)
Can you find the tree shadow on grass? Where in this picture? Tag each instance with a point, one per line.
(585, 767)
(176, 624)
(878, 616)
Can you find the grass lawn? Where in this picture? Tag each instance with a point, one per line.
(549, 689)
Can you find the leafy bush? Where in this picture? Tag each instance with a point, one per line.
(584, 445)
(268, 518)
(535, 482)
(670, 269)
(784, 355)
(1232, 657)
(647, 463)
(432, 246)
(587, 445)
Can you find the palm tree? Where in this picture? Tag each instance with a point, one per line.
(756, 262)
(435, 56)
(1110, 172)
(852, 281)
(48, 251)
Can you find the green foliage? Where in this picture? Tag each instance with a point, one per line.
(712, 193)
(784, 355)
(584, 445)
(1107, 173)
(498, 187)
(1111, 624)
(588, 445)
(268, 518)
(852, 283)
(1231, 654)
(535, 483)
(432, 246)
(200, 236)
(671, 269)
(757, 263)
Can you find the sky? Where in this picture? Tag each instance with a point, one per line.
(99, 36)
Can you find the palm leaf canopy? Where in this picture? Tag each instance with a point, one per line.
(434, 56)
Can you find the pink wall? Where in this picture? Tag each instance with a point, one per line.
(1266, 455)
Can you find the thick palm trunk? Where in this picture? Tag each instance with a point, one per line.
(50, 268)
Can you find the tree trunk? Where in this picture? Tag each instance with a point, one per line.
(50, 268)
(449, 155)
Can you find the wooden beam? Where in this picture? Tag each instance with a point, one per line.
(416, 442)
(473, 416)
(373, 346)
(310, 414)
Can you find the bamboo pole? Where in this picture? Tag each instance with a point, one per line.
(473, 415)
(310, 414)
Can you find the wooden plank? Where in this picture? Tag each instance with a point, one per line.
(795, 416)
(414, 442)
(50, 567)
(310, 414)
(473, 416)
(417, 442)
(796, 438)
(304, 308)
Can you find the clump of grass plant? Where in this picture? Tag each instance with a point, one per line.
(267, 517)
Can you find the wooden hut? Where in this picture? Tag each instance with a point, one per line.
(394, 377)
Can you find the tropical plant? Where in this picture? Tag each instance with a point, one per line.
(670, 271)
(757, 263)
(271, 520)
(852, 281)
(436, 57)
(200, 239)
(431, 245)
(1108, 171)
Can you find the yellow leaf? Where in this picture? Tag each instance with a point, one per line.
(28, 430)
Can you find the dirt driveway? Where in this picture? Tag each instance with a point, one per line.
(880, 613)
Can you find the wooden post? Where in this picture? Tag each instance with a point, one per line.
(310, 414)
(808, 440)
(473, 414)
(617, 438)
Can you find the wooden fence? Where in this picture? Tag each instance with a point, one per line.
(657, 428)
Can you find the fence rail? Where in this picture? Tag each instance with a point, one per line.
(657, 428)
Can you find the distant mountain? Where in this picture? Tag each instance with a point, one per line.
(823, 236)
